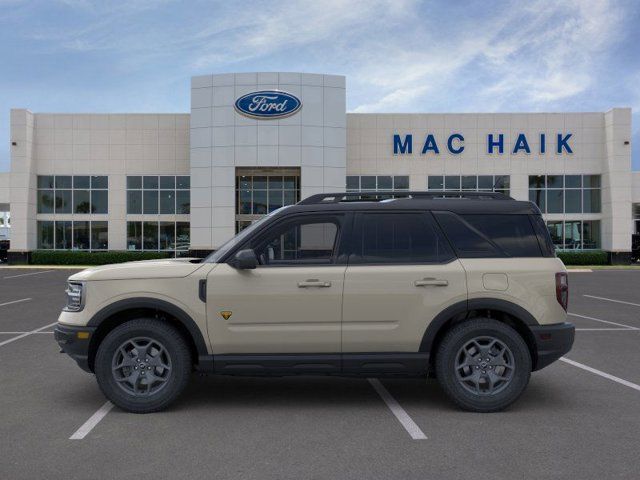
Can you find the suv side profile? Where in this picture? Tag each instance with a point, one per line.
(465, 287)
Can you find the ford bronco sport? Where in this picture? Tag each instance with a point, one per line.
(465, 287)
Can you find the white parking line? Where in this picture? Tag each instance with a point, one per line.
(26, 334)
(621, 381)
(15, 301)
(87, 426)
(399, 412)
(612, 300)
(627, 327)
(606, 329)
(16, 333)
(25, 274)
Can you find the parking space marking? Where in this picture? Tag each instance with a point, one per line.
(89, 425)
(613, 378)
(626, 327)
(25, 274)
(403, 417)
(612, 300)
(13, 339)
(606, 329)
(15, 301)
(17, 333)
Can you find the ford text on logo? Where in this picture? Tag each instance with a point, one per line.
(268, 104)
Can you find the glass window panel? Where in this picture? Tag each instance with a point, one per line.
(183, 202)
(134, 182)
(485, 182)
(572, 181)
(81, 232)
(134, 235)
(555, 181)
(63, 181)
(99, 201)
(45, 181)
(45, 235)
(555, 200)
(290, 197)
(304, 241)
(591, 200)
(45, 201)
(81, 181)
(63, 201)
(150, 202)
(275, 199)
(555, 231)
(353, 182)
(183, 238)
(275, 183)
(183, 182)
(134, 202)
(259, 201)
(64, 235)
(244, 202)
(573, 201)
(367, 182)
(150, 182)
(435, 182)
(167, 182)
(167, 236)
(260, 183)
(572, 235)
(385, 182)
(244, 181)
(167, 202)
(452, 182)
(150, 235)
(514, 234)
(101, 182)
(537, 181)
(401, 182)
(501, 182)
(469, 182)
(81, 201)
(591, 181)
(591, 234)
(99, 236)
(290, 183)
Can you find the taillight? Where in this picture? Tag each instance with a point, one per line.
(562, 289)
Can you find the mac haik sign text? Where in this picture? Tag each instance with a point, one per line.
(495, 144)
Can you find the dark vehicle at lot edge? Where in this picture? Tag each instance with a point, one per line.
(462, 286)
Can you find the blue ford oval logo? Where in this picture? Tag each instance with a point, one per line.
(268, 104)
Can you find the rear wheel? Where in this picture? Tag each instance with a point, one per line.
(143, 365)
(483, 365)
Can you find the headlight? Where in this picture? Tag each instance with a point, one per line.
(75, 297)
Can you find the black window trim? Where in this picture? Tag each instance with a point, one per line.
(429, 219)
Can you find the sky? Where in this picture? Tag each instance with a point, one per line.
(398, 56)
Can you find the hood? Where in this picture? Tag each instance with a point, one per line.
(165, 268)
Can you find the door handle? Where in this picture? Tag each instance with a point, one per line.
(313, 283)
(431, 282)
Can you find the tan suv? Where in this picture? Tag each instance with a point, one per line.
(462, 286)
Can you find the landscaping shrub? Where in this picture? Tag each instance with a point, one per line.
(64, 257)
(593, 257)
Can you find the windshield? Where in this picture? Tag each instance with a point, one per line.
(215, 257)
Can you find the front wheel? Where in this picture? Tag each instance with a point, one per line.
(143, 365)
(483, 365)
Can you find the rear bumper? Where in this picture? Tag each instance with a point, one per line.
(552, 342)
(74, 345)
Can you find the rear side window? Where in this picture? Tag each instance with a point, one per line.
(468, 241)
(514, 234)
(544, 239)
(392, 238)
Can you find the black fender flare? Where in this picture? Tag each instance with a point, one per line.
(465, 306)
(155, 304)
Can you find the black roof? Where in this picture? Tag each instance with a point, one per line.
(457, 202)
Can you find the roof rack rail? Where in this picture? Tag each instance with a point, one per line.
(372, 196)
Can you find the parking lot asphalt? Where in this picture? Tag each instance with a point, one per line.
(571, 422)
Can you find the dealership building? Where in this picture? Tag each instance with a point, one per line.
(254, 142)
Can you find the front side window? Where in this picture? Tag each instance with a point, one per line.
(393, 238)
(306, 241)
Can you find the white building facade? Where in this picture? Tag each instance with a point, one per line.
(254, 142)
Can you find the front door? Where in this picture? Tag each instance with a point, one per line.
(292, 302)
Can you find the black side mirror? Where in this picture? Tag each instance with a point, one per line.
(244, 260)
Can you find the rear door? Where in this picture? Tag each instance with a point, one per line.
(401, 274)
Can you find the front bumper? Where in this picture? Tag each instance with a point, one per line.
(552, 342)
(75, 341)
